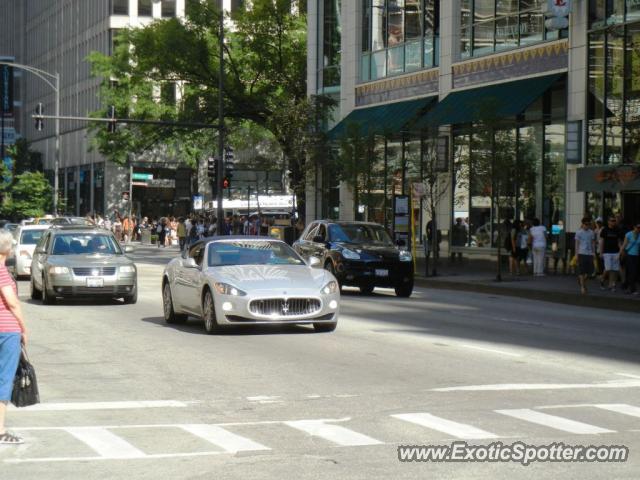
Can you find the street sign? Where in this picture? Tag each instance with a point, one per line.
(9, 135)
(142, 176)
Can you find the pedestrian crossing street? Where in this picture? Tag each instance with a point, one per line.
(134, 442)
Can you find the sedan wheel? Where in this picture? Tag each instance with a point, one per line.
(170, 316)
(209, 313)
(133, 298)
(47, 298)
(35, 293)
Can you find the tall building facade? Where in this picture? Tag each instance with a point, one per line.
(57, 37)
(558, 81)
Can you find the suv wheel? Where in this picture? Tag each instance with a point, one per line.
(47, 298)
(404, 289)
(35, 293)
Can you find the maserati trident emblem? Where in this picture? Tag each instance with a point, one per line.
(285, 307)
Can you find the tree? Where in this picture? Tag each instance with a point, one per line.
(355, 159)
(29, 196)
(265, 81)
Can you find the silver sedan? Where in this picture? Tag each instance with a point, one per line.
(248, 281)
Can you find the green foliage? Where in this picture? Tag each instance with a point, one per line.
(28, 196)
(265, 98)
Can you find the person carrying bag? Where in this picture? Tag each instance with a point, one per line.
(13, 334)
(25, 385)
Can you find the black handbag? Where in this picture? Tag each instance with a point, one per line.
(25, 386)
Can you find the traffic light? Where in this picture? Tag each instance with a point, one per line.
(229, 161)
(211, 167)
(226, 182)
(39, 122)
(111, 126)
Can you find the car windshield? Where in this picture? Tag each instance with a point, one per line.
(85, 244)
(247, 252)
(359, 233)
(30, 237)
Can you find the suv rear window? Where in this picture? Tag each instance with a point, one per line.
(31, 237)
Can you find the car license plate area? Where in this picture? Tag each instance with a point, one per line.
(382, 272)
(95, 282)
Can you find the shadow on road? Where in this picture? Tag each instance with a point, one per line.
(196, 327)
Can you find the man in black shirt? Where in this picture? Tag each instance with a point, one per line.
(610, 242)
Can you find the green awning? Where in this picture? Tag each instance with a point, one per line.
(494, 101)
(382, 119)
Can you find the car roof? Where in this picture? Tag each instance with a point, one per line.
(42, 226)
(78, 229)
(234, 237)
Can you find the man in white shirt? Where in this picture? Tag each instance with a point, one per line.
(585, 249)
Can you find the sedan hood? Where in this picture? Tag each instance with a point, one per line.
(269, 277)
(89, 260)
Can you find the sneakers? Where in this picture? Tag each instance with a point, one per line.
(10, 439)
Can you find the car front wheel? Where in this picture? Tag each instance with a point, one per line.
(35, 293)
(211, 325)
(133, 298)
(404, 289)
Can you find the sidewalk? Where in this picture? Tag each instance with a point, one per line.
(479, 275)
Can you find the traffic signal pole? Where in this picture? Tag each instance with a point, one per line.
(221, 130)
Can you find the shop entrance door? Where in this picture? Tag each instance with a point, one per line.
(631, 207)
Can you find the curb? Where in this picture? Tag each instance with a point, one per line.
(619, 304)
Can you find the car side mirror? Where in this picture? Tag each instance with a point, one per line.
(129, 249)
(318, 239)
(190, 263)
(314, 262)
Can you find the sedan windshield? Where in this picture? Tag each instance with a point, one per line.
(358, 233)
(85, 244)
(247, 252)
(30, 237)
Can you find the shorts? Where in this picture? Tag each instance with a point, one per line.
(585, 264)
(10, 350)
(521, 254)
(611, 262)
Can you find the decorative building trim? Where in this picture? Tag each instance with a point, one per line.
(514, 63)
(419, 83)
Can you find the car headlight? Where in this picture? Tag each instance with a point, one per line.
(350, 254)
(127, 269)
(331, 287)
(56, 270)
(226, 289)
(405, 256)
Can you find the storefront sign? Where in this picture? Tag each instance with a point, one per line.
(198, 202)
(609, 178)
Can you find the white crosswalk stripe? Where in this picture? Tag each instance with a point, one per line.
(333, 433)
(228, 441)
(553, 421)
(620, 408)
(105, 443)
(458, 430)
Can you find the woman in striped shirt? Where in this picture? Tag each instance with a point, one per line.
(12, 333)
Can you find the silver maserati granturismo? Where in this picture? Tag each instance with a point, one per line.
(248, 281)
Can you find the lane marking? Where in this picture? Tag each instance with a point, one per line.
(490, 350)
(458, 430)
(553, 421)
(333, 433)
(84, 459)
(56, 407)
(539, 386)
(228, 441)
(629, 375)
(620, 408)
(105, 443)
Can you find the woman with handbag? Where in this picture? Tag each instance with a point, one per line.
(630, 254)
(13, 333)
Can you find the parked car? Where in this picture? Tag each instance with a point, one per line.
(82, 262)
(359, 254)
(248, 281)
(26, 238)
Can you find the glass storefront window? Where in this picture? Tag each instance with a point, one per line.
(329, 40)
(615, 12)
(506, 32)
(596, 99)
(412, 55)
(396, 60)
(71, 191)
(614, 80)
(379, 65)
(483, 36)
(412, 19)
(554, 175)
(632, 93)
(85, 190)
(98, 188)
(168, 8)
(531, 27)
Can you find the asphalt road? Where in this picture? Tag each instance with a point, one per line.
(126, 396)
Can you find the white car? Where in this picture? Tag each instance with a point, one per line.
(248, 281)
(26, 239)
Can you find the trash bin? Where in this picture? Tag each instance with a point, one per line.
(145, 236)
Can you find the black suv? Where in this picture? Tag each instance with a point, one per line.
(359, 254)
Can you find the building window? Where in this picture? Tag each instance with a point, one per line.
(488, 26)
(330, 50)
(613, 107)
(119, 7)
(144, 8)
(398, 36)
(168, 8)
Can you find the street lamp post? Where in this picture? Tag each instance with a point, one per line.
(53, 80)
